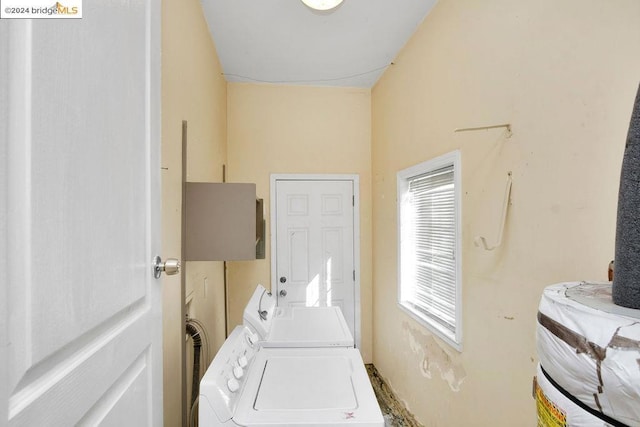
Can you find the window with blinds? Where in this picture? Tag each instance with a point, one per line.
(428, 198)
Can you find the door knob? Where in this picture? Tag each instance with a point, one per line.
(283, 293)
(170, 267)
(283, 279)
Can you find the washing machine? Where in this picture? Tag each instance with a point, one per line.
(251, 385)
(295, 326)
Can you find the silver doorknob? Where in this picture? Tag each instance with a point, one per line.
(170, 267)
(283, 293)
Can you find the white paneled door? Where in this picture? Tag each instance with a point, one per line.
(83, 309)
(314, 249)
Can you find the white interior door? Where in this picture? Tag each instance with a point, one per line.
(314, 249)
(83, 307)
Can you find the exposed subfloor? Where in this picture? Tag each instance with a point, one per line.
(394, 412)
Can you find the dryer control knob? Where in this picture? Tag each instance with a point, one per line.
(238, 372)
(233, 385)
(242, 361)
(252, 339)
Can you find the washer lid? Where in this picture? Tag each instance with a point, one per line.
(308, 386)
(309, 327)
(309, 383)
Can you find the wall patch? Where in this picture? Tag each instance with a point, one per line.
(434, 357)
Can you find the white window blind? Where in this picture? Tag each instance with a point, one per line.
(429, 262)
(431, 197)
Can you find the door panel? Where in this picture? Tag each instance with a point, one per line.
(314, 244)
(299, 256)
(83, 189)
(125, 403)
(333, 242)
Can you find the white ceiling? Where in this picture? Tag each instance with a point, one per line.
(285, 42)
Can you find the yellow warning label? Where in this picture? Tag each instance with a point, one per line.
(549, 415)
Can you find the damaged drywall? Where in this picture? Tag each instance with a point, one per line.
(434, 357)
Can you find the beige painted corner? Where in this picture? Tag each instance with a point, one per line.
(194, 90)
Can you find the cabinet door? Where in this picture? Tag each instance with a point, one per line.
(220, 221)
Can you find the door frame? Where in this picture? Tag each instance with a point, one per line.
(355, 181)
(4, 163)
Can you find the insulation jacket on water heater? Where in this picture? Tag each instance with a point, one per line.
(626, 279)
(589, 353)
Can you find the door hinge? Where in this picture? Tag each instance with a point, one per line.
(354, 275)
(353, 200)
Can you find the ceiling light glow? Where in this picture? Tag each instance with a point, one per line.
(322, 4)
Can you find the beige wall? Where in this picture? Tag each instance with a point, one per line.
(564, 74)
(307, 130)
(193, 90)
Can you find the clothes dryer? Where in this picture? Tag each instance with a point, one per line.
(295, 326)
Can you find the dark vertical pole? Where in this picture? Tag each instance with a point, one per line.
(224, 273)
(626, 277)
(183, 276)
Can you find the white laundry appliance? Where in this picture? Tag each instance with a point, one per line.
(295, 326)
(250, 385)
